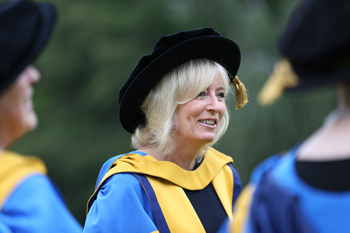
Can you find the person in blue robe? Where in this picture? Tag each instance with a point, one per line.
(29, 201)
(306, 190)
(174, 106)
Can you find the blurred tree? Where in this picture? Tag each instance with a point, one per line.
(93, 50)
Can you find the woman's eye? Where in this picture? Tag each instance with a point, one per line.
(202, 94)
(221, 95)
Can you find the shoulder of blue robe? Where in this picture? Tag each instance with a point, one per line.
(36, 206)
(136, 162)
(107, 165)
(263, 167)
(271, 207)
(14, 168)
(243, 204)
(325, 211)
(120, 206)
(270, 163)
(274, 209)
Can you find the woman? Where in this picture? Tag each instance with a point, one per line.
(29, 201)
(174, 105)
(307, 189)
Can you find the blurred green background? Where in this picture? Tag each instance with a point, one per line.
(94, 48)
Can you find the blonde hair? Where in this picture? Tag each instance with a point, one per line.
(178, 86)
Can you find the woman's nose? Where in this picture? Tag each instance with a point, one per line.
(213, 104)
(34, 74)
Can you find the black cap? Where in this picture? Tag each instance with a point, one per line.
(25, 27)
(317, 42)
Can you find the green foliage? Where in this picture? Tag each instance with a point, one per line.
(93, 50)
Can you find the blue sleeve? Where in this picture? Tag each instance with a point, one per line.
(36, 206)
(121, 206)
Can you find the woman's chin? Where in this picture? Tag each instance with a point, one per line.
(208, 138)
(31, 122)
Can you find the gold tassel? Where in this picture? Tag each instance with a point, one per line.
(282, 77)
(241, 93)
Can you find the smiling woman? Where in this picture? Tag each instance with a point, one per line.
(17, 112)
(174, 105)
(186, 90)
(199, 119)
(29, 201)
(203, 120)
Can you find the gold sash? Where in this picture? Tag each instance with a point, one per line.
(13, 169)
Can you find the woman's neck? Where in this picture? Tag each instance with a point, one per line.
(331, 141)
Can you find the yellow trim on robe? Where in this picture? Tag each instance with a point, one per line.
(179, 217)
(168, 180)
(13, 169)
(223, 185)
(198, 179)
(242, 209)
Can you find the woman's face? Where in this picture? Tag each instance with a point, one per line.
(199, 119)
(16, 107)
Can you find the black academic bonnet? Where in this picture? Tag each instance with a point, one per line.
(317, 42)
(315, 47)
(169, 52)
(25, 27)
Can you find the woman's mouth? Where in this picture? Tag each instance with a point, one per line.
(208, 122)
(28, 104)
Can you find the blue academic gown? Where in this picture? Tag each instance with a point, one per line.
(283, 202)
(35, 205)
(121, 204)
